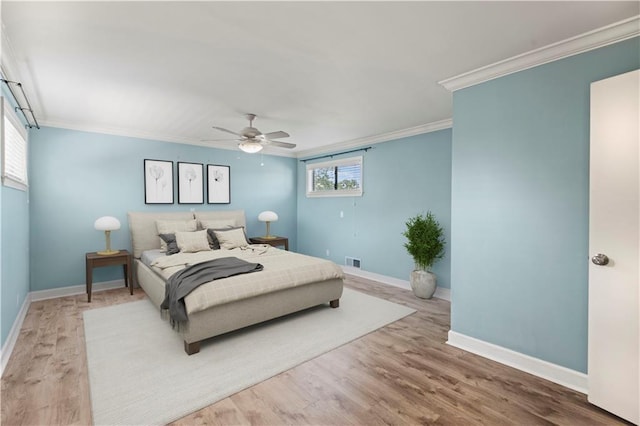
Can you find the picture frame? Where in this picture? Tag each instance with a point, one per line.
(190, 183)
(218, 184)
(158, 181)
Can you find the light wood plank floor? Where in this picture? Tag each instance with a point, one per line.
(401, 374)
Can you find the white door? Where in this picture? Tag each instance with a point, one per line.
(614, 236)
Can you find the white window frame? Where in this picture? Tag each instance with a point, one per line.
(20, 181)
(336, 192)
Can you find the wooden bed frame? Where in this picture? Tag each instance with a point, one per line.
(231, 316)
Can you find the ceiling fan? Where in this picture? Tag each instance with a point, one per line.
(251, 140)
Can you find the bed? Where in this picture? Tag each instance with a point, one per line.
(289, 282)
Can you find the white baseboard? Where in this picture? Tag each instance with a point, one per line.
(555, 373)
(12, 338)
(75, 289)
(441, 292)
(34, 296)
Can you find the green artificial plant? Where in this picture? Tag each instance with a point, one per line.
(425, 240)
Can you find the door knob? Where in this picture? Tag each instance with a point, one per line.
(600, 259)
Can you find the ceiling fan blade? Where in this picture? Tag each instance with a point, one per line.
(222, 129)
(276, 135)
(282, 144)
(219, 140)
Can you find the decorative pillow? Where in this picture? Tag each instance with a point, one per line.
(192, 242)
(173, 226)
(211, 224)
(213, 241)
(172, 245)
(231, 238)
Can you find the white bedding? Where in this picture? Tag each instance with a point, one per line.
(148, 256)
(282, 269)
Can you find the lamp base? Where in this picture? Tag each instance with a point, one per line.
(269, 237)
(108, 252)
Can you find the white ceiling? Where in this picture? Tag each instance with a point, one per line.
(325, 72)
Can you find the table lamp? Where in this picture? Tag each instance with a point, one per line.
(107, 224)
(268, 216)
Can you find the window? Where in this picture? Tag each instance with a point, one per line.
(336, 178)
(14, 148)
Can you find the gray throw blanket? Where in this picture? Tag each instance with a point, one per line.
(185, 281)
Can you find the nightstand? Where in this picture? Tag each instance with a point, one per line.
(274, 241)
(95, 260)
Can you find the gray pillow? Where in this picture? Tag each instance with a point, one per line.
(213, 241)
(172, 245)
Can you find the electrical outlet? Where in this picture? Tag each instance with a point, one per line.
(341, 214)
(327, 252)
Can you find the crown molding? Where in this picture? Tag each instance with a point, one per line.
(8, 60)
(591, 40)
(11, 68)
(115, 131)
(369, 140)
(384, 137)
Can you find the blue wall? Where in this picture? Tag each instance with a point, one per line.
(5, 318)
(14, 250)
(15, 255)
(401, 178)
(77, 177)
(520, 205)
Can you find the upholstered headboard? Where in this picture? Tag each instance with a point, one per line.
(144, 234)
(237, 215)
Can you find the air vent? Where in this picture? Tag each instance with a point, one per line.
(352, 261)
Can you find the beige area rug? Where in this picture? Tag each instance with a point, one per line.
(140, 374)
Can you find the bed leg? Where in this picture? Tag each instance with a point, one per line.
(334, 303)
(192, 348)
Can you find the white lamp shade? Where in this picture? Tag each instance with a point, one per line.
(250, 147)
(106, 223)
(267, 216)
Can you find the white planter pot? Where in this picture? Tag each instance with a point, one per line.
(423, 283)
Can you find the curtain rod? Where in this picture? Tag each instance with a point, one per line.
(28, 108)
(339, 153)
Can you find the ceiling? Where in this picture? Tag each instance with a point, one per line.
(325, 72)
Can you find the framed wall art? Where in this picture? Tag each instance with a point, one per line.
(158, 182)
(218, 184)
(190, 183)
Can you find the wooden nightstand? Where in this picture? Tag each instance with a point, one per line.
(275, 241)
(95, 260)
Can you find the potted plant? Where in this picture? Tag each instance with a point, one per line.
(426, 245)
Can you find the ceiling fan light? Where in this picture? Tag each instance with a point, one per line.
(250, 147)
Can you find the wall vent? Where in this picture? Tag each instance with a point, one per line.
(352, 261)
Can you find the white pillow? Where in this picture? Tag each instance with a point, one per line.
(173, 226)
(232, 238)
(192, 242)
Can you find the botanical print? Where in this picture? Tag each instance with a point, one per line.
(190, 184)
(219, 184)
(158, 182)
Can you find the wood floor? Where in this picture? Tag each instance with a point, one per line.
(401, 374)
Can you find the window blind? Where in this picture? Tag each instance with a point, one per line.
(14, 149)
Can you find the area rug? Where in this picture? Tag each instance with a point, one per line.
(140, 374)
